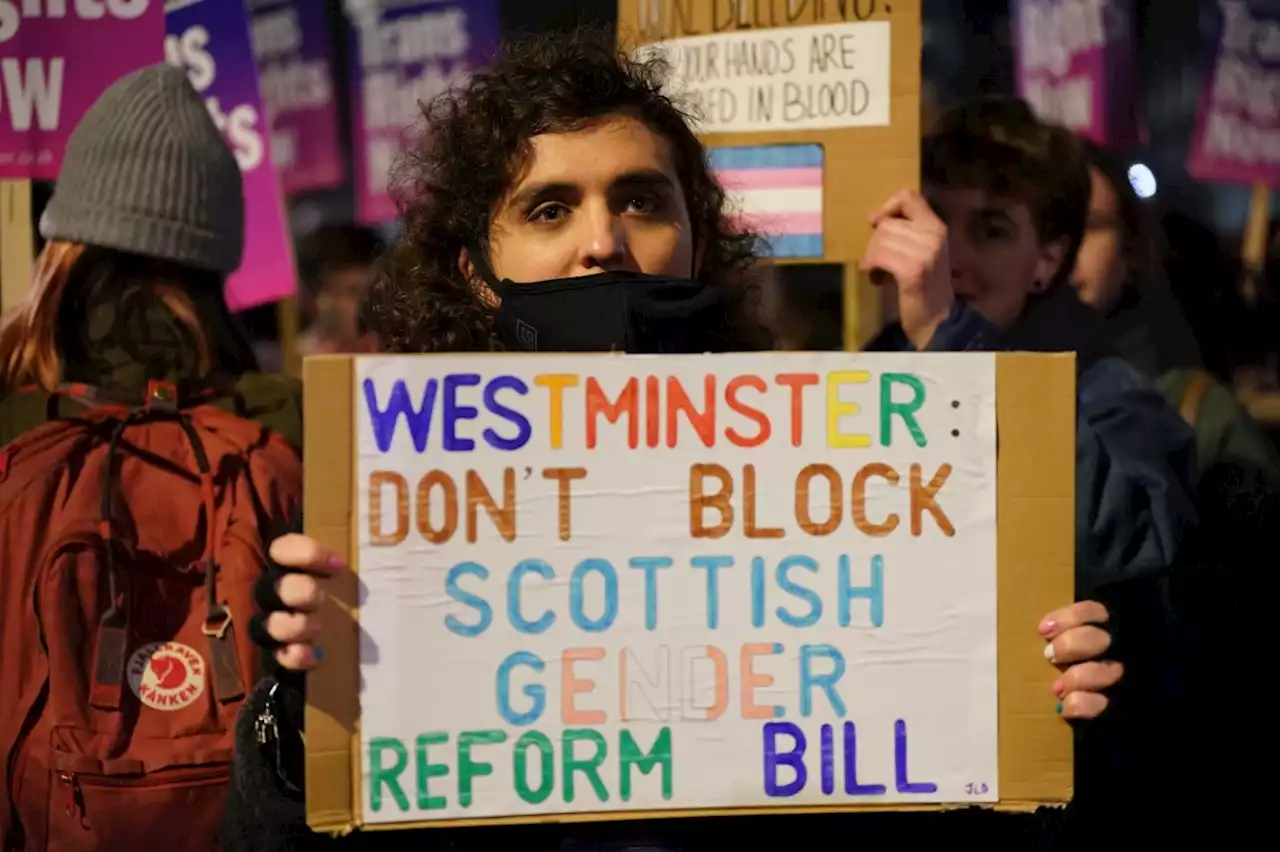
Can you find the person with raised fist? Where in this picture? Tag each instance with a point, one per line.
(981, 261)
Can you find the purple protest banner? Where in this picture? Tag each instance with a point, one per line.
(56, 58)
(404, 52)
(210, 39)
(295, 68)
(1076, 66)
(1237, 131)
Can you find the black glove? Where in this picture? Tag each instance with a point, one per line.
(266, 600)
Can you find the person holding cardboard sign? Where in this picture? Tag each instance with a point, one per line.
(984, 264)
(598, 190)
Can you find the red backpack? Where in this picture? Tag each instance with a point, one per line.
(130, 539)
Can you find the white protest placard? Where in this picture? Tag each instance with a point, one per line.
(627, 583)
(821, 77)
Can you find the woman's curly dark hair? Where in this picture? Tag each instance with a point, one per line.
(475, 142)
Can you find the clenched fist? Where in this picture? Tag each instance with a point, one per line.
(909, 243)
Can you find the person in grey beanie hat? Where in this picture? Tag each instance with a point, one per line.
(126, 308)
(147, 172)
(145, 224)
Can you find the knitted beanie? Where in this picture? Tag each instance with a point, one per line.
(146, 171)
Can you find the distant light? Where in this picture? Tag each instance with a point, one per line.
(1142, 180)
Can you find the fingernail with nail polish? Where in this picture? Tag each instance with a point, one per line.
(335, 561)
(1049, 653)
(1057, 688)
(319, 653)
(1046, 627)
(1058, 709)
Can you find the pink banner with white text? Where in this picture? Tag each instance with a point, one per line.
(53, 67)
(1076, 65)
(1237, 131)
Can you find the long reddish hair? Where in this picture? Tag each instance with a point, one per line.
(31, 348)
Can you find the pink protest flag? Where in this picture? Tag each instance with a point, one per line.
(54, 64)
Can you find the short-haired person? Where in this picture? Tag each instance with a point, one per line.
(982, 261)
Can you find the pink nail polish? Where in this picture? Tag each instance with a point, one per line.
(335, 561)
(1057, 688)
(1047, 626)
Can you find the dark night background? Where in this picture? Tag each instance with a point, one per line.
(967, 51)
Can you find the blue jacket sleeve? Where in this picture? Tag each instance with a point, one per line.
(1135, 501)
(1135, 516)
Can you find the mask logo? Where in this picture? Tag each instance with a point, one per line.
(526, 335)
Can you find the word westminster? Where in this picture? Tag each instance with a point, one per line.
(657, 404)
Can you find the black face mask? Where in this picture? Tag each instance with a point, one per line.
(611, 312)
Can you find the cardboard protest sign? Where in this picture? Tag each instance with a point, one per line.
(211, 41)
(1237, 131)
(629, 586)
(56, 59)
(843, 76)
(405, 53)
(1076, 65)
(294, 53)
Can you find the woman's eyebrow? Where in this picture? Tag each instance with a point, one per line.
(635, 179)
(645, 179)
(540, 190)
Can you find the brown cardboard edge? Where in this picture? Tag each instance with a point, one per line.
(1035, 559)
(333, 705)
(1035, 552)
(694, 813)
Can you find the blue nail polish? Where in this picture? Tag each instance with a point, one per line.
(320, 656)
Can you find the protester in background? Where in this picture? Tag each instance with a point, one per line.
(1118, 272)
(1237, 470)
(336, 264)
(135, 435)
(984, 264)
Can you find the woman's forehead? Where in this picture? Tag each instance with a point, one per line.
(600, 153)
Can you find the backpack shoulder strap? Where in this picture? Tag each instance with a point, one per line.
(1193, 396)
(272, 400)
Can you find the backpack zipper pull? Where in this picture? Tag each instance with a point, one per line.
(70, 793)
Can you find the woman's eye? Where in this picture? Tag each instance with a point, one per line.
(548, 213)
(644, 204)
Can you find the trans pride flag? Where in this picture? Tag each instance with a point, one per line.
(776, 190)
